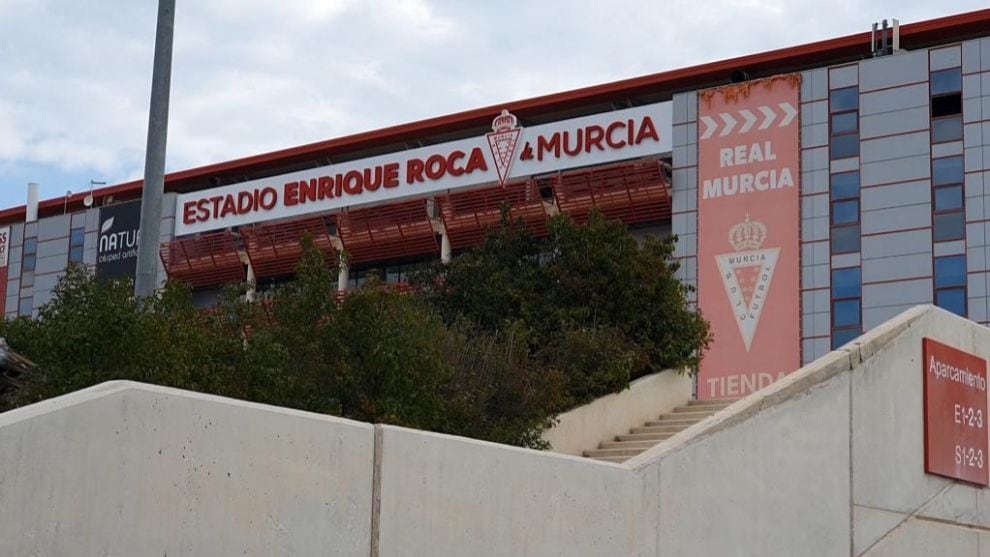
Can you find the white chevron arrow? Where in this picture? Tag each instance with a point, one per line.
(710, 126)
(789, 113)
(730, 124)
(769, 115)
(750, 120)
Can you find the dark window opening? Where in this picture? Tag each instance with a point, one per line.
(947, 105)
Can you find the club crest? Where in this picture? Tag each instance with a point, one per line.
(746, 275)
(502, 141)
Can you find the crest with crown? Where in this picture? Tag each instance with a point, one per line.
(504, 122)
(747, 235)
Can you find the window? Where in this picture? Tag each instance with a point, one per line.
(949, 215)
(843, 107)
(28, 260)
(77, 240)
(847, 294)
(946, 105)
(25, 307)
(950, 283)
(845, 212)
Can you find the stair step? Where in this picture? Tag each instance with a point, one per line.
(655, 437)
(654, 430)
(643, 444)
(666, 427)
(595, 453)
(615, 459)
(686, 415)
(725, 401)
(673, 423)
(700, 408)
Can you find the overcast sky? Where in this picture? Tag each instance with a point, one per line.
(251, 76)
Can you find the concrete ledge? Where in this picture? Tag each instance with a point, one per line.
(584, 427)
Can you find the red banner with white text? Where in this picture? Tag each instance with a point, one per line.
(748, 221)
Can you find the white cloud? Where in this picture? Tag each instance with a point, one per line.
(254, 75)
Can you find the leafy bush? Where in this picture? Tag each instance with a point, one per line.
(493, 346)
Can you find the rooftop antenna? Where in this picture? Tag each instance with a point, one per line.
(88, 200)
(65, 204)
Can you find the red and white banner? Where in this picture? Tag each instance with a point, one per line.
(4, 259)
(508, 152)
(748, 240)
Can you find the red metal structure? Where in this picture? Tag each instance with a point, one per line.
(274, 249)
(468, 215)
(633, 192)
(204, 260)
(388, 232)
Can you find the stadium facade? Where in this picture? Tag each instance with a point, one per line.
(817, 191)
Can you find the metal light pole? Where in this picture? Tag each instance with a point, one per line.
(146, 279)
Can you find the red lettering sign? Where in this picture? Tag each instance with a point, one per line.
(955, 413)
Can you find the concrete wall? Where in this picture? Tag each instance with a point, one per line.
(646, 398)
(830, 458)
(126, 469)
(827, 461)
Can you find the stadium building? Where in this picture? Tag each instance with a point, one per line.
(817, 191)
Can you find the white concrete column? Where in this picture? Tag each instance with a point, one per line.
(343, 273)
(33, 198)
(252, 281)
(445, 248)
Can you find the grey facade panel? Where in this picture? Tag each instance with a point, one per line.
(973, 135)
(815, 181)
(976, 285)
(974, 184)
(814, 253)
(949, 149)
(900, 170)
(814, 159)
(976, 258)
(816, 301)
(92, 220)
(89, 257)
(977, 309)
(975, 210)
(891, 71)
(902, 267)
(45, 283)
(53, 227)
(678, 106)
(814, 135)
(946, 57)
(16, 235)
(955, 247)
(845, 165)
(895, 195)
(985, 54)
(52, 248)
(844, 260)
(889, 123)
(814, 206)
(55, 264)
(78, 220)
(974, 159)
(678, 137)
(894, 148)
(843, 76)
(814, 85)
(897, 244)
(815, 112)
(168, 205)
(815, 276)
(972, 86)
(975, 234)
(972, 110)
(971, 56)
(814, 229)
(898, 218)
(894, 100)
(876, 316)
(906, 292)
(692, 105)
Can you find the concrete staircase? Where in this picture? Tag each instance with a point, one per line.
(639, 439)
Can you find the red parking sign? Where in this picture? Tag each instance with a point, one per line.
(955, 413)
